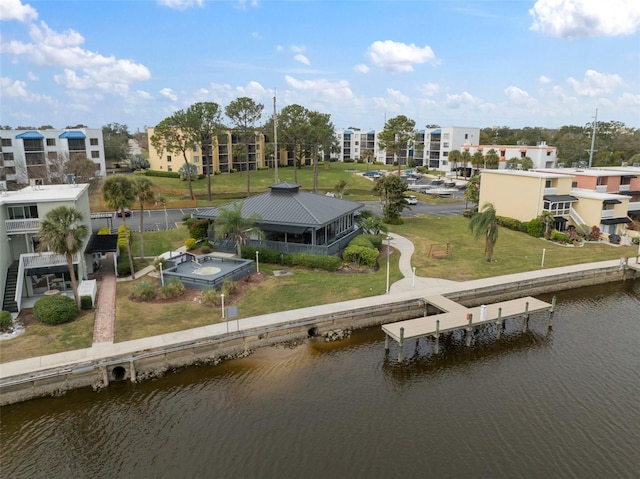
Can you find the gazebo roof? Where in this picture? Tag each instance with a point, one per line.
(285, 204)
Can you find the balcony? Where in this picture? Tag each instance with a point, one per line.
(44, 260)
(601, 188)
(30, 225)
(607, 214)
(625, 188)
(551, 191)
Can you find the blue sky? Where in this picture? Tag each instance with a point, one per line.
(478, 63)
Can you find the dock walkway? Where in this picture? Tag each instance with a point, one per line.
(456, 317)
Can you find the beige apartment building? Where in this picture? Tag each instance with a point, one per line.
(226, 154)
(524, 195)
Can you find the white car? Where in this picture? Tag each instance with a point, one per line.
(411, 199)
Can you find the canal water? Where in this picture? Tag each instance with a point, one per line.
(560, 403)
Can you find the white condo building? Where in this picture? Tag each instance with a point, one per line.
(38, 156)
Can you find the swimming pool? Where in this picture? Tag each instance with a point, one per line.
(207, 271)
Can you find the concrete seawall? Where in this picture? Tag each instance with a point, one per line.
(146, 358)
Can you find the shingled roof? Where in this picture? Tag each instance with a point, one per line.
(285, 204)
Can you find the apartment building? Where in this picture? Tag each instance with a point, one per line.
(39, 156)
(542, 155)
(24, 270)
(524, 195)
(353, 142)
(434, 149)
(227, 153)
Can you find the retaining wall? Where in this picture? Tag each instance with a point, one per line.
(155, 362)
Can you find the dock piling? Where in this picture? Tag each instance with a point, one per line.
(437, 336)
(400, 343)
(551, 311)
(500, 322)
(469, 328)
(525, 323)
(386, 343)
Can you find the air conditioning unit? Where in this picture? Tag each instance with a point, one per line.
(36, 181)
(560, 165)
(3, 185)
(624, 163)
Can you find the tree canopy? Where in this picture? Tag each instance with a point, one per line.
(485, 224)
(395, 137)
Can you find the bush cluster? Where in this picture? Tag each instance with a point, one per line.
(319, 261)
(124, 233)
(228, 287)
(198, 229)
(55, 309)
(511, 223)
(361, 255)
(211, 297)
(86, 303)
(172, 289)
(363, 241)
(6, 321)
(104, 230)
(190, 243)
(535, 228)
(143, 291)
(206, 249)
(376, 240)
(559, 236)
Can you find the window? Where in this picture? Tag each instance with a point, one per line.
(93, 141)
(574, 184)
(23, 212)
(168, 158)
(95, 154)
(169, 168)
(548, 153)
(196, 159)
(547, 184)
(7, 156)
(466, 136)
(6, 142)
(195, 148)
(51, 142)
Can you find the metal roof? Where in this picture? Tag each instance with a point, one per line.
(560, 198)
(102, 244)
(73, 135)
(285, 204)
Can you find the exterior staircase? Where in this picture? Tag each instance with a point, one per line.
(8, 303)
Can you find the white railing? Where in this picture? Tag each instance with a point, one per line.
(634, 206)
(43, 260)
(550, 191)
(19, 284)
(577, 219)
(601, 188)
(625, 188)
(607, 214)
(22, 226)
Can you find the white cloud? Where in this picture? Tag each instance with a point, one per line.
(544, 80)
(395, 101)
(32, 76)
(338, 90)
(630, 99)
(143, 95)
(399, 57)
(585, 18)
(429, 89)
(518, 96)
(181, 4)
(244, 4)
(168, 93)
(15, 10)
(464, 99)
(13, 88)
(298, 48)
(302, 59)
(253, 90)
(595, 83)
(361, 68)
(83, 69)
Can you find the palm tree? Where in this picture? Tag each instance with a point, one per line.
(144, 193)
(118, 192)
(485, 224)
(547, 219)
(63, 232)
(455, 157)
(230, 222)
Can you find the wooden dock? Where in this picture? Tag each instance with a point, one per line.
(456, 317)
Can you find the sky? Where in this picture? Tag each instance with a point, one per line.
(515, 63)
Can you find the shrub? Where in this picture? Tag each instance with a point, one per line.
(6, 321)
(266, 255)
(166, 174)
(559, 236)
(172, 289)
(159, 261)
(55, 309)
(361, 241)
(635, 240)
(595, 234)
(361, 255)
(143, 291)
(467, 213)
(376, 240)
(86, 303)
(535, 228)
(190, 243)
(393, 221)
(511, 223)
(228, 287)
(206, 249)
(123, 265)
(198, 229)
(211, 297)
(319, 261)
(187, 217)
(104, 230)
(189, 221)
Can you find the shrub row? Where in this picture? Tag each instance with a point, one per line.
(266, 255)
(165, 174)
(146, 291)
(361, 255)
(318, 261)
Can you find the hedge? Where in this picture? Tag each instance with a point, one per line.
(535, 228)
(55, 309)
(361, 241)
(6, 321)
(319, 261)
(511, 223)
(166, 174)
(266, 255)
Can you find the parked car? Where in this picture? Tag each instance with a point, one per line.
(126, 211)
(411, 199)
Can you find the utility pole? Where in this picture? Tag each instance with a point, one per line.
(275, 135)
(593, 139)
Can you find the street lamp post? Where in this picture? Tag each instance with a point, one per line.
(388, 249)
(257, 262)
(166, 218)
(413, 278)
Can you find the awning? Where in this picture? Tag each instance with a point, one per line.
(611, 202)
(102, 244)
(30, 135)
(293, 229)
(629, 177)
(73, 135)
(630, 193)
(560, 198)
(634, 212)
(560, 219)
(550, 150)
(523, 150)
(615, 221)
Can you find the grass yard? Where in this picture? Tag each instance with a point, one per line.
(514, 252)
